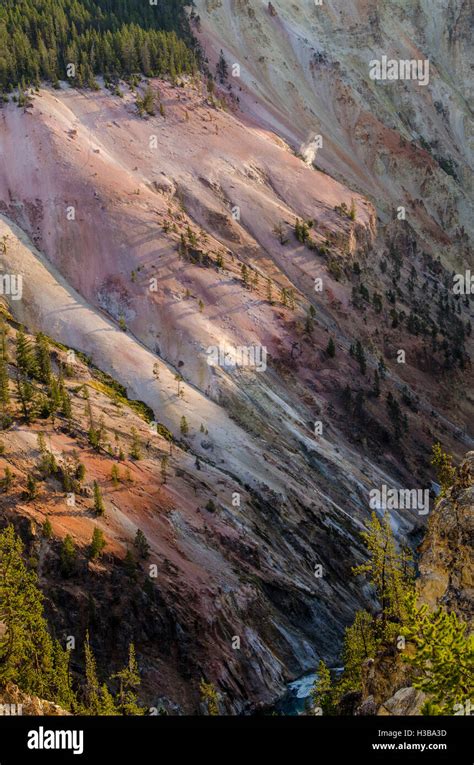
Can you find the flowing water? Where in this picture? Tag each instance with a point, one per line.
(297, 699)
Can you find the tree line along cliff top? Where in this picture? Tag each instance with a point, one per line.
(40, 39)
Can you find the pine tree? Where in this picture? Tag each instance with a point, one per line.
(360, 643)
(443, 657)
(7, 480)
(147, 103)
(386, 568)
(309, 324)
(115, 475)
(331, 348)
(54, 397)
(26, 396)
(47, 529)
(61, 685)
(210, 86)
(97, 544)
(141, 544)
(269, 291)
(42, 448)
(4, 329)
(43, 358)
(129, 683)
(65, 403)
(130, 565)
(445, 471)
(96, 435)
(47, 463)
(31, 488)
(4, 386)
(179, 379)
(322, 690)
(135, 451)
(91, 691)
(26, 649)
(222, 68)
(99, 506)
(107, 704)
(183, 247)
(25, 360)
(301, 231)
(184, 427)
(360, 357)
(395, 414)
(280, 233)
(67, 556)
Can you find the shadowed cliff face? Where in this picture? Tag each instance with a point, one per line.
(445, 566)
(222, 567)
(446, 554)
(147, 243)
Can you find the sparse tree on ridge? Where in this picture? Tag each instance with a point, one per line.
(97, 544)
(99, 506)
(141, 544)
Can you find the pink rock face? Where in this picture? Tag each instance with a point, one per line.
(98, 209)
(200, 259)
